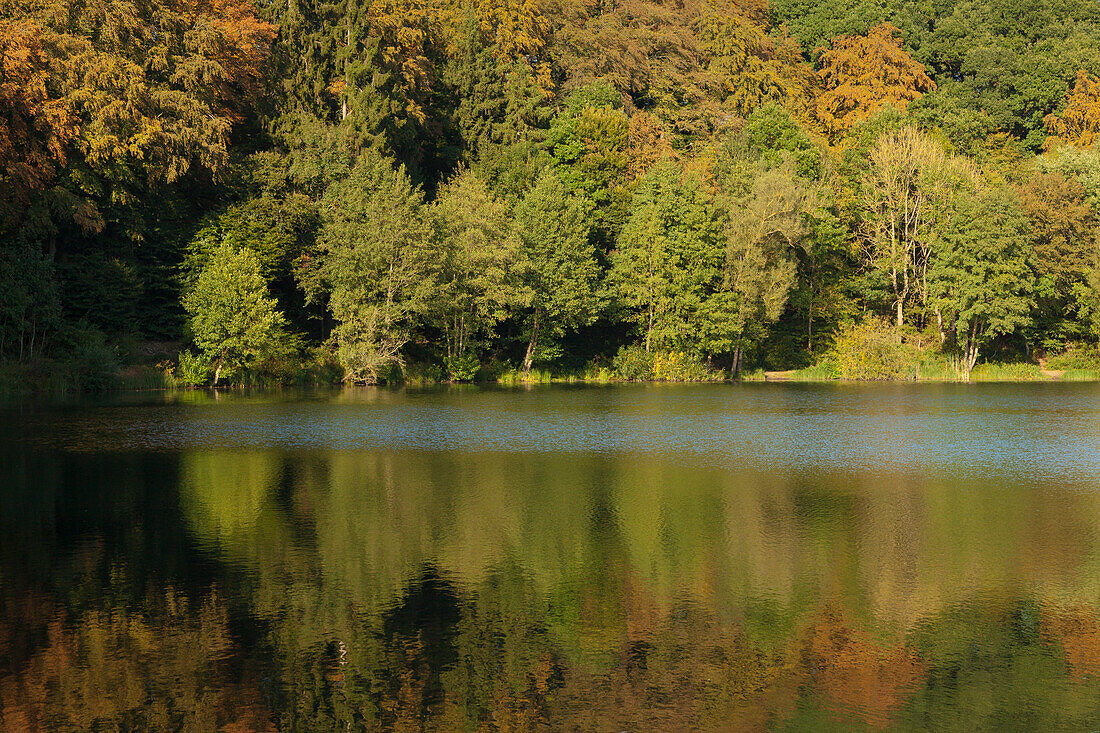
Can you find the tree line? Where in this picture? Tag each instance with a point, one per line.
(370, 189)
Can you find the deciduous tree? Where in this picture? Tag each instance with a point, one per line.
(478, 268)
(554, 227)
(1079, 123)
(234, 321)
(36, 123)
(980, 277)
(862, 74)
(141, 91)
(589, 144)
(373, 265)
(668, 258)
(763, 228)
(749, 66)
(908, 182)
(1063, 229)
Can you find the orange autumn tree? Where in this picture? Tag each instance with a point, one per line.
(1077, 630)
(647, 143)
(35, 123)
(168, 666)
(862, 74)
(153, 88)
(858, 676)
(1079, 123)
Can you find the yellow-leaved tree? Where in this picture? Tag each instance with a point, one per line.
(748, 65)
(517, 32)
(134, 93)
(863, 74)
(1079, 123)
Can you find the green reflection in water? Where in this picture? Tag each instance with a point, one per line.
(289, 590)
(225, 495)
(458, 590)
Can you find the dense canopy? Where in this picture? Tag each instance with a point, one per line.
(453, 189)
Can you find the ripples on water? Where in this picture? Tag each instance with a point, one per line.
(1041, 429)
(748, 557)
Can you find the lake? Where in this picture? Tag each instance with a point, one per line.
(632, 558)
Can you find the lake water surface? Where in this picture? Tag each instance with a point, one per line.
(636, 558)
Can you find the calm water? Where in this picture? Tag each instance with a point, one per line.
(748, 557)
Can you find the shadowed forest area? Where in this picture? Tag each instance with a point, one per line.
(378, 191)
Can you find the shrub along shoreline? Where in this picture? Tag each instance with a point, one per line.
(870, 351)
(58, 378)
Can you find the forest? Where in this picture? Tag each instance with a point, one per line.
(219, 192)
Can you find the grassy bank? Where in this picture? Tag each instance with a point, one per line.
(1004, 372)
(876, 351)
(864, 356)
(18, 383)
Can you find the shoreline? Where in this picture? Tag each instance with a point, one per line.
(992, 373)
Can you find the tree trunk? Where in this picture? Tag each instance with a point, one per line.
(344, 99)
(649, 328)
(735, 367)
(529, 358)
(218, 369)
(971, 352)
(810, 326)
(904, 290)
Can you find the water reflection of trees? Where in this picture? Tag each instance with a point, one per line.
(171, 666)
(524, 592)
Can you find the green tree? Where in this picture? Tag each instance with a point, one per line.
(1014, 62)
(30, 307)
(1063, 230)
(372, 263)
(498, 98)
(821, 299)
(588, 142)
(360, 63)
(555, 229)
(233, 320)
(478, 268)
(770, 133)
(278, 229)
(763, 230)
(981, 278)
(668, 258)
